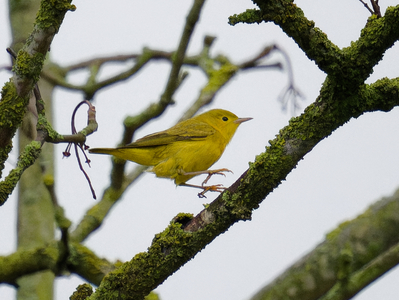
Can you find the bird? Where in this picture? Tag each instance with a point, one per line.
(185, 150)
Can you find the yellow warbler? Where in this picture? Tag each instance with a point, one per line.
(185, 150)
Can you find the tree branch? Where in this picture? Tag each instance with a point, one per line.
(352, 256)
(45, 133)
(378, 35)
(88, 224)
(81, 261)
(56, 75)
(357, 281)
(180, 242)
(219, 71)
(27, 68)
(341, 98)
(366, 6)
(26, 159)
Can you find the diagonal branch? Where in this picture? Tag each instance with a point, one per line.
(89, 224)
(349, 287)
(45, 133)
(183, 239)
(217, 78)
(352, 255)
(81, 261)
(27, 68)
(366, 6)
(378, 35)
(57, 75)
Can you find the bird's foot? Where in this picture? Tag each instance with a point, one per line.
(213, 172)
(209, 188)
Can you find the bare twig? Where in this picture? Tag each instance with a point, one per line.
(101, 61)
(92, 85)
(255, 62)
(191, 21)
(82, 146)
(12, 53)
(290, 93)
(376, 8)
(366, 6)
(223, 70)
(86, 226)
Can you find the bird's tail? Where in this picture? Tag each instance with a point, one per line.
(110, 151)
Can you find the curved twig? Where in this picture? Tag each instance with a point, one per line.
(92, 125)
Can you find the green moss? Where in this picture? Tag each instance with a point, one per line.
(250, 16)
(219, 77)
(6, 188)
(27, 70)
(337, 231)
(183, 218)
(12, 107)
(169, 250)
(82, 292)
(12, 110)
(152, 296)
(43, 124)
(52, 12)
(27, 158)
(30, 154)
(29, 66)
(345, 262)
(272, 166)
(4, 151)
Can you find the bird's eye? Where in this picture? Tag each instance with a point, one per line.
(225, 118)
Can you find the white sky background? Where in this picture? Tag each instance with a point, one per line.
(338, 180)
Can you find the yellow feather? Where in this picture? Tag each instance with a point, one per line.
(190, 146)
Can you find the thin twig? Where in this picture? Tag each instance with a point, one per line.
(191, 21)
(12, 53)
(376, 8)
(100, 61)
(254, 62)
(81, 146)
(151, 112)
(92, 86)
(290, 93)
(366, 6)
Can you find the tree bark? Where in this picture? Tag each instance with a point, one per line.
(35, 210)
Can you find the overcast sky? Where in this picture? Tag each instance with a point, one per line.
(339, 179)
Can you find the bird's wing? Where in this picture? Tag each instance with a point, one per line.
(181, 132)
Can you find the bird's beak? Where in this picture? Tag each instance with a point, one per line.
(241, 120)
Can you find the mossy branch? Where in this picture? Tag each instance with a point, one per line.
(57, 75)
(94, 216)
(26, 159)
(80, 261)
(27, 68)
(378, 35)
(219, 70)
(27, 261)
(354, 283)
(172, 248)
(352, 256)
(45, 133)
(339, 101)
(186, 235)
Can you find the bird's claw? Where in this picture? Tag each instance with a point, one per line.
(211, 188)
(213, 172)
